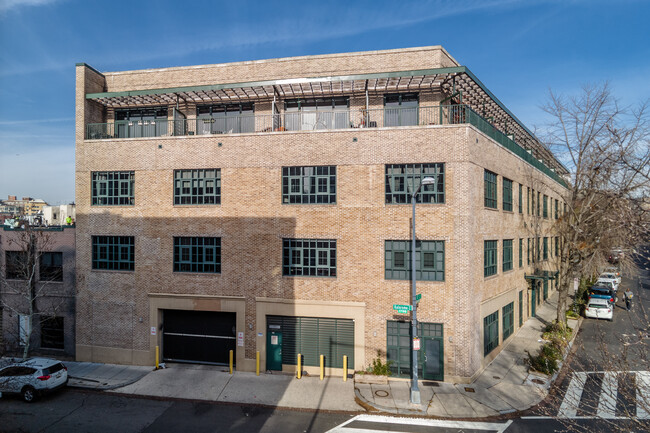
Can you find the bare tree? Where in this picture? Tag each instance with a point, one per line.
(607, 151)
(26, 281)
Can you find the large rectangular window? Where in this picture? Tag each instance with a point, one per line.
(113, 253)
(507, 255)
(197, 254)
(557, 246)
(545, 248)
(51, 266)
(507, 195)
(401, 109)
(403, 179)
(521, 197)
(202, 186)
(508, 320)
(309, 185)
(16, 266)
(489, 258)
(490, 332)
(317, 113)
(521, 252)
(52, 333)
(527, 200)
(539, 194)
(528, 253)
(556, 209)
(490, 180)
(545, 207)
(309, 257)
(225, 118)
(521, 308)
(113, 188)
(429, 260)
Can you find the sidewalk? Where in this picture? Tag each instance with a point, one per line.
(504, 386)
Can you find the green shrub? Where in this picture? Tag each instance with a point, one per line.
(379, 368)
(557, 335)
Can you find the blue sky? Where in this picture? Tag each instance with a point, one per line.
(518, 49)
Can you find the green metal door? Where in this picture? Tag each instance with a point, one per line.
(274, 349)
(433, 360)
(533, 303)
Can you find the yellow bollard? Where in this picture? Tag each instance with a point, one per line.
(257, 360)
(299, 366)
(345, 368)
(231, 362)
(157, 356)
(322, 367)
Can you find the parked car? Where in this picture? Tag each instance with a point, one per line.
(602, 292)
(610, 276)
(612, 270)
(33, 377)
(599, 308)
(616, 255)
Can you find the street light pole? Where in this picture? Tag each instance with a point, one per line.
(415, 390)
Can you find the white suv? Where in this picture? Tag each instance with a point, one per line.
(33, 377)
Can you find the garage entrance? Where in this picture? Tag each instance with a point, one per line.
(202, 337)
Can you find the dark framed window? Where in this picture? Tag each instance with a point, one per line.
(113, 188)
(557, 246)
(539, 248)
(225, 118)
(556, 209)
(490, 189)
(309, 185)
(521, 196)
(521, 252)
(545, 207)
(317, 113)
(309, 257)
(507, 255)
(507, 195)
(51, 266)
(398, 344)
(489, 258)
(490, 332)
(201, 186)
(52, 333)
(539, 206)
(545, 248)
(508, 320)
(113, 253)
(528, 253)
(403, 179)
(532, 202)
(16, 266)
(429, 260)
(521, 308)
(401, 109)
(141, 122)
(527, 200)
(197, 254)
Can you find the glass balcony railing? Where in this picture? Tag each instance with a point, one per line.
(313, 120)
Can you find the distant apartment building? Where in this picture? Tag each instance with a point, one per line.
(37, 262)
(26, 206)
(265, 206)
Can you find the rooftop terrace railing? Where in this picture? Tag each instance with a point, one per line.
(313, 120)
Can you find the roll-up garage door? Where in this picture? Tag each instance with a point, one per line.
(314, 336)
(204, 337)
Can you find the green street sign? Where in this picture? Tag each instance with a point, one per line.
(418, 297)
(402, 309)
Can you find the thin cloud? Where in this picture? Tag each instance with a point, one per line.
(8, 5)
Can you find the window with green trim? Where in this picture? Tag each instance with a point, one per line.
(201, 186)
(507, 195)
(545, 248)
(521, 252)
(403, 179)
(508, 320)
(429, 260)
(398, 344)
(112, 188)
(309, 257)
(532, 202)
(539, 206)
(113, 253)
(401, 109)
(490, 332)
(521, 197)
(557, 246)
(556, 209)
(539, 247)
(489, 258)
(545, 207)
(527, 200)
(490, 189)
(528, 253)
(309, 185)
(507, 255)
(521, 308)
(197, 254)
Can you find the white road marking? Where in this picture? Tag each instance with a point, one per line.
(342, 428)
(569, 406)
(608, 394)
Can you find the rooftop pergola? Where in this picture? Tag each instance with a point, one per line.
(457, 82)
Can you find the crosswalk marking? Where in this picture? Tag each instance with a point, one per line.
(642, 394)
(431, 425)
(569, 406)
(607, 401)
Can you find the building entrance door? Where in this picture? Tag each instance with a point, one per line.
(533, 302)
(433, 365)
(274, 349)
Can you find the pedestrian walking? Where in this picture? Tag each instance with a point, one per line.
(628, 298)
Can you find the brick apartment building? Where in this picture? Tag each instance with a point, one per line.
(52, 251)
(265, 206)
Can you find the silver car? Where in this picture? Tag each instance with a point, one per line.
(33, 377)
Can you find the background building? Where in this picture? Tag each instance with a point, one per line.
(265, 206)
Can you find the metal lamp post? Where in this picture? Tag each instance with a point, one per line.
(415, 390)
